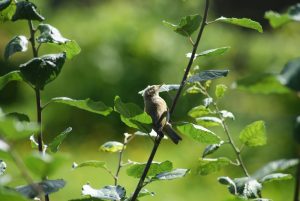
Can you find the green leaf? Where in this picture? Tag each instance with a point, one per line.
(187, 25)
(290, 75)
(199, 111)
(56, 142)
(92, 163)
(275, 177)
(88, 105)
(226, 114)
(48, 187)
(49, 34)
(211, 149)
(3, 167)
(42, 70)
(211, 52)
(27, 11)
(17, 44)
(107, 192)
(18, 116)
(7, 12)
(226, 181)
(246, 187)
(294, 12)
(275, 166)
(243, 22)
(112, 146)
(211, 165)
(209, 121)
(276, 20)
(254, 134)
(199, 133)
(43, 165)
(11, 129)
(207, 75)
(132, 115)
(136, 170)
(264, 83)
(174, 174)
(220, 90)
(11, 76)
(145, 192)
(193, 90)
(11, 195)
(86, 199)
(4, 4)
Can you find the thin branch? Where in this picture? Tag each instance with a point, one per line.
(297, 183)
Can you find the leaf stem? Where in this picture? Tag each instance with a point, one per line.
(160, 135)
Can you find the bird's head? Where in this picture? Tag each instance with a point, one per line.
(152, 90)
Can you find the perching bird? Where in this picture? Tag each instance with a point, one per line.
(157, 108)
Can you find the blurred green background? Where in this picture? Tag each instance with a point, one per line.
(125, 47)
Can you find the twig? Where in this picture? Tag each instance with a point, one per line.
(160, 135)
(297, 183)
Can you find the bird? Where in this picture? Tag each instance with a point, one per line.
(156, 107)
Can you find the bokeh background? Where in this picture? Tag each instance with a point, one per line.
(126, 47)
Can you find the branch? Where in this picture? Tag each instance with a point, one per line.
(160, 135)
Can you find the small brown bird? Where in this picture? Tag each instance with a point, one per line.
(157, 109)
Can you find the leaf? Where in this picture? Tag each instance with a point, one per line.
(243, 22)
(17, 44)
(220, 90)
(163, 88)
(207, 102)
(9, 77)
(132, 115)
(56, 142)
(294, 12)
(187, 25)
(246, 188)
(92, 163)
(42, 70)
(199, 111)
(145, 192)
(4, 146)
(136, 170)
(4, 4)
(264, 83)
(11, 195)
(193, 90)
(107, 192)
(275, 166)
(254, 134)
(18, 116)
(48, 187)
(209, 121)
(276, 20)
(275, 177)
(226, 114)
(211, 149)
(290, 75)
(3, 167)
(43, 165)
(211, 165)
(226, 181)
(211, 52)
(7, 12)
(88, 105)
(86, 199)
(27, 11)
(11, 129)
(199, 133)
(112, 146)
(174, 174)
(207, 75)
(49, 34)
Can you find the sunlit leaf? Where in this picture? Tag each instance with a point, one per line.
(199, 133)
(207, 75)
(174, 174)
(246, 188)
(187, 25)
(211, 149)
(199, 111)
(209, 121)
(42, 70)
(56, 142)
(275, 177)
(207, 102)
(211, 165)
(27, 11)
(112, 146)
(254, 134)
(9, 77)
(265, 83)
(17, 44)
(211, 52)
(243, 22)
(92, 163)
(275, 166)
(276, 19)
(88, 105)
(145, 192)
(47, 186)
(220, 90)
(290, 75)
(226, 114)
(7, 10)
(136, 170)
(106, 193)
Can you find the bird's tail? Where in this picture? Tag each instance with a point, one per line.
(171, 133)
